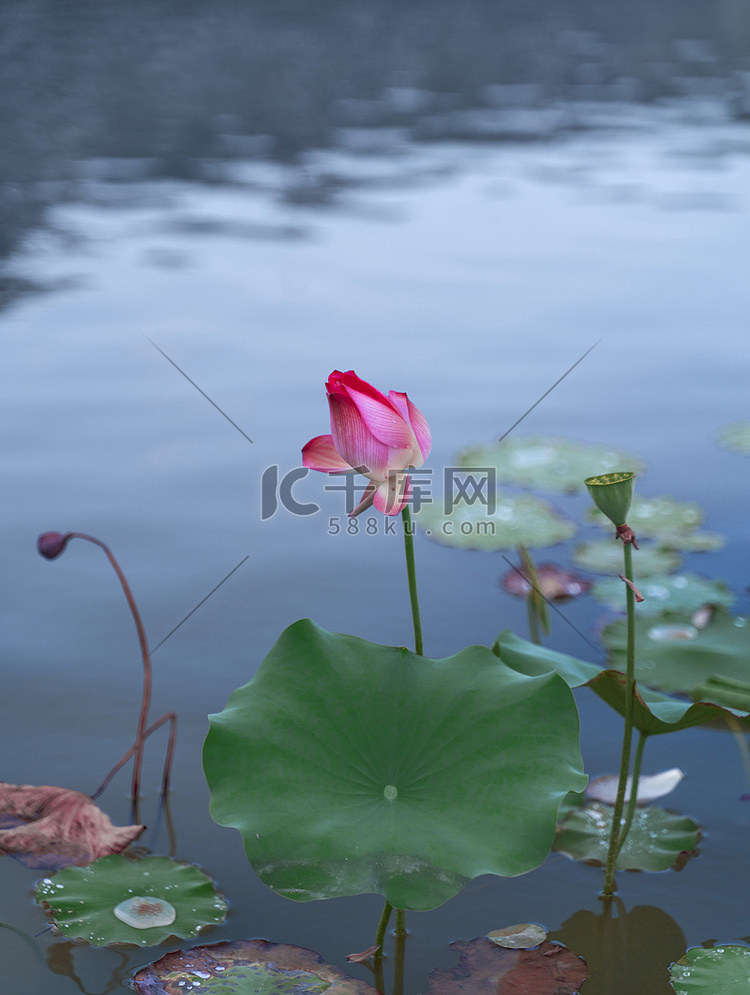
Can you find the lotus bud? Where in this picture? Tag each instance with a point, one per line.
(51, 544)
(612, 494)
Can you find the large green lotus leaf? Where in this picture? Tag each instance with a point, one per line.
(685, 593)
(246, 967)
(723, 970)
(654, 713)
(484, 967)
(657, 839)
(674, 656)
(350, 767)
(517, 520)
(736, 437)
(546, 462)
(604, 556)
(533, 660)
(82, 901)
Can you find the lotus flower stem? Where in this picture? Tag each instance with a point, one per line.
(619, 832)
(412, 575)
(633, 802)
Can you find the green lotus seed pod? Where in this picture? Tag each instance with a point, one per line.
(612, 494)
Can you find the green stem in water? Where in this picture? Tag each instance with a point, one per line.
(382, 926)
(412, 575)
(399, 957)
(617, 835)
(633, 802)
(379, 938)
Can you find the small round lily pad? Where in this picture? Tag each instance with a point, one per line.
(546, 462)
(520, 936)
(723, 970)
(657, 839)
(117, 900)
(683, 592)
(515, 520)
(604, 556)
(736, 437)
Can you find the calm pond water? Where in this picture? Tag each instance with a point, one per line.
(473, 276)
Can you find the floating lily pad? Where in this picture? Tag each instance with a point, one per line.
(350, 767)
(671, 523)
(695, 542)
(655, 516)
(723, 970)
(84, 901)
(546, 462)
(604, 556)
(736, 437)
(246, 967)
(520, 936)
(673, 655)
(684, 593)
(657, 839)
(517, 520)
(654, 713)
(550, 969)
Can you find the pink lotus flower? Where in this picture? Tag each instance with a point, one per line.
(372, 434)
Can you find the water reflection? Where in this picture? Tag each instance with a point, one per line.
(127, 94)
(625, 951)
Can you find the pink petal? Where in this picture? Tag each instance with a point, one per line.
(383, 420)
(321, 454)
(411, 413)
(60, 827)
(393, 494)
(354, 441)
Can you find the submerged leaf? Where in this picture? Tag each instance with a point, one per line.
(551, 969)
(516, 520)
(84, 901)
(350, 767)
(546, 462)
(555, 582)
(658, 840)
(246, 967)
(55, 827)
(723, 970)
(650, 786)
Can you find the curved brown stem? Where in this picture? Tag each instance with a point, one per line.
(168, 717)
(146, 696)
